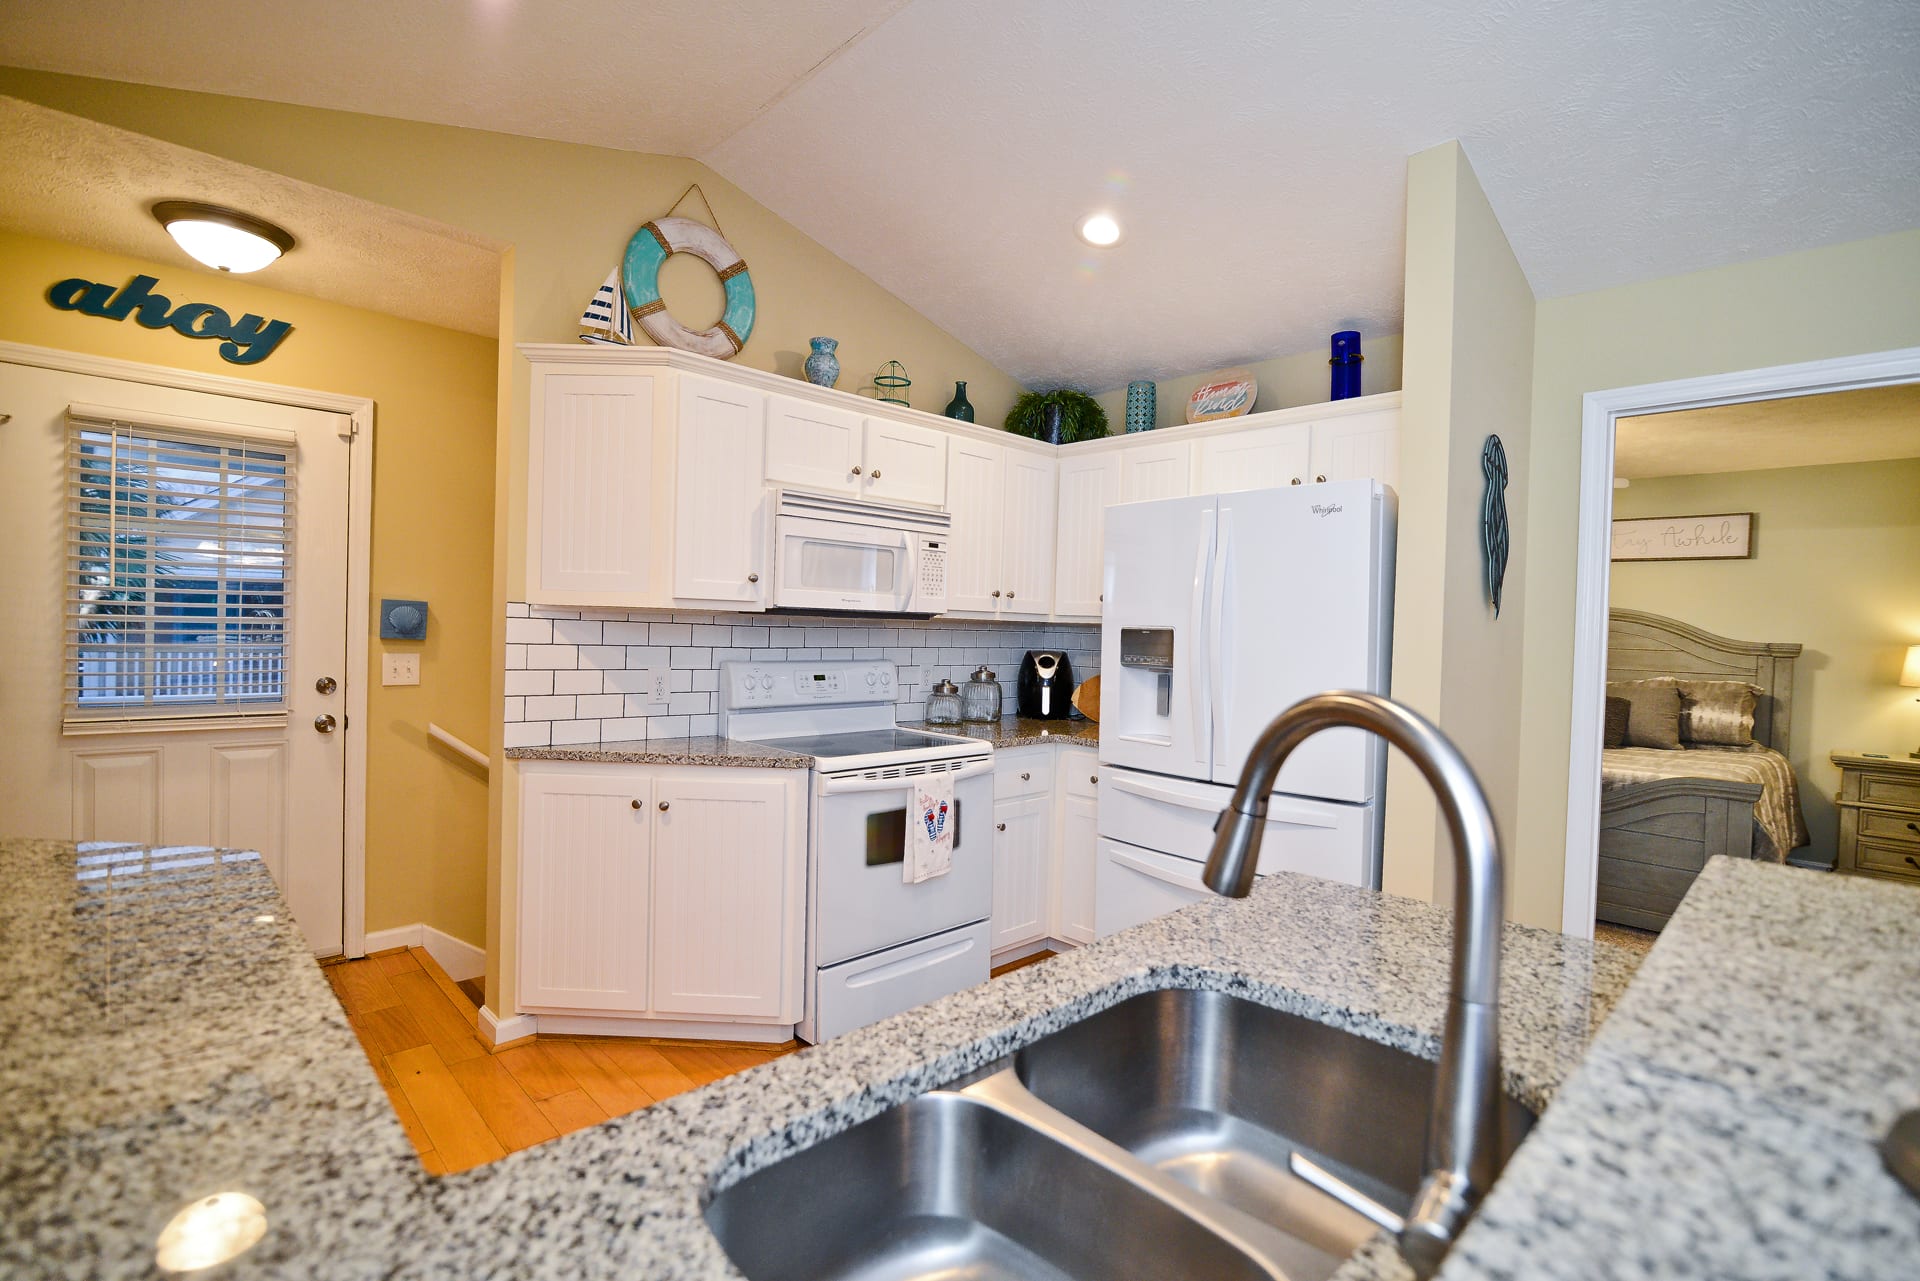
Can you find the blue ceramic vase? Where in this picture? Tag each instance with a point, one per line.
(1141, 397)
(1345, 365)
(823, 367)
(960, 407)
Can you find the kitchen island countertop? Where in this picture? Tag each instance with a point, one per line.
(167, 1037)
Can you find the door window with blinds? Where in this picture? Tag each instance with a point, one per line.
(179, 569)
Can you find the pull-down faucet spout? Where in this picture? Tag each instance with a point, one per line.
(1463, 1147)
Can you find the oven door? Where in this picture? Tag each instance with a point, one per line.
(838, 565)
(861, 904)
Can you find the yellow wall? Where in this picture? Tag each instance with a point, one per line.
(1284, 381)
(1836, 567)
(433, 393)
(1469, 349)
(1842, 300)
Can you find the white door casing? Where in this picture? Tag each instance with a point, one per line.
(281, 787)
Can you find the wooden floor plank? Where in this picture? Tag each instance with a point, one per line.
(431, 1159)
(540, 1072)
(397, 961)
(1022, 963)
(600, 1077)
(455, 994)
(515, 1119)
(387, 1031)
(460, 1135)
(701, 1064)
(574, 1110)
(362, 986)
(445, 1027)
(648, 1067)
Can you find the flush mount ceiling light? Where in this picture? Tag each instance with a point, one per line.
(224, 239)
(1099, 230)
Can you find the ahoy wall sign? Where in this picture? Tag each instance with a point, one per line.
(246, 341)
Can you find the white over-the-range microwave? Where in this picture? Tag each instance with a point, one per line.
(842, 555)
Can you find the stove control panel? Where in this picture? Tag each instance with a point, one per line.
(801, 684)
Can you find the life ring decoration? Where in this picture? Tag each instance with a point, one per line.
(641, 272)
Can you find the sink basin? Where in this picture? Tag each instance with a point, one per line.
(948, 1186)
(1218, 1093)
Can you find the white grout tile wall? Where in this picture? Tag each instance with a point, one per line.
(581, 675)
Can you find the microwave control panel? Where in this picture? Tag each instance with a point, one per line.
(933, 569)
(749, 684)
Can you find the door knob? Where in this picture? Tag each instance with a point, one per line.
(324, 722)
(326, 684)
(753, 578)
(663, 807)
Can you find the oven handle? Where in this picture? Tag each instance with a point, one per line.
(830, 786)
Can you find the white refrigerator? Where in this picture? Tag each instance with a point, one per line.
(1222, 611)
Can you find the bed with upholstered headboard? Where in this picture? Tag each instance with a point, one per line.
(1664, 812)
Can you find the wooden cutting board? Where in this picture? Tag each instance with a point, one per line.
(1086, 699)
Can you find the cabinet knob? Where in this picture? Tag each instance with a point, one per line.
(876, 473)
(999, 827)
(1093, 778)
(996, 593)
(1026, 777)
(1913, 827)
(636, 805)
(753, 578)
(663, 806)
(856, 471)
(1319, 480)
(1009, 595)
(1296, 480)
(1908, 857)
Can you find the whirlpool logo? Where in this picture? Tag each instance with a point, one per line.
(1327, 509)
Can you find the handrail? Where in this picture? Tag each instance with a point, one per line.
(459, 745)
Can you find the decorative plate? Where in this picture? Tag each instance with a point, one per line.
(1226, 395)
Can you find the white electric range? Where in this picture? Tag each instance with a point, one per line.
(875, 944)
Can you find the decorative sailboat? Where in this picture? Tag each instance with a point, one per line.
(606, 319)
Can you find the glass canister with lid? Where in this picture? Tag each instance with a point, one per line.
(980, 700)
(943, 704)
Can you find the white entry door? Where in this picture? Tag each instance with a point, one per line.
(175, 634)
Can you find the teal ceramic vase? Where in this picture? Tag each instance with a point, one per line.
(960, 407)
(823, 367)
(1141, 395)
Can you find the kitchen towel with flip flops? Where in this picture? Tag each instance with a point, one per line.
(930, 829)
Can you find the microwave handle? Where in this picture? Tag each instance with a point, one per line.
(830, 786)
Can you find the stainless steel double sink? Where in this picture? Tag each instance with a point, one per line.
(1157, 1139)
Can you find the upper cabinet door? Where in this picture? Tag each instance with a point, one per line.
(720, 500)
(974, 500)
(1264, 458)
(1363, 446)
(814, 446)
(1089, 484)
(905, 463)
(1155, 471)
(1027, 535)
(590, 490)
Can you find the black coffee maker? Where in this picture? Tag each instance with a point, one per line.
(1045, 689)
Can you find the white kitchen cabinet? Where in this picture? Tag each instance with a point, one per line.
(720, 535)
(904, 463)
(814, 446)
(1078, 850)
(1358, 446)
(1263, 458)
(1158, 470)
(1089, 484)
(728, 885)
(1027, 546)
(594, 447)
(586, 849)
(1022, 839)
(663, 897)
(1000, 558)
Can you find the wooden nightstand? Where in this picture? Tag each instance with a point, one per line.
(1879, 816)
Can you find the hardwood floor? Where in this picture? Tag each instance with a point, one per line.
(1022, 963)
(463, 1105)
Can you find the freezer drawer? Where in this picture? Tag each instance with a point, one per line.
(1135, 885)
(1176, 816)
(855, 993)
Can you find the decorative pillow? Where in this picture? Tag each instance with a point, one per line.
(1717, 713)
(1617, 712)
(1653, 712)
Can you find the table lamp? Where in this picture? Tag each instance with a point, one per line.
(1910, 676)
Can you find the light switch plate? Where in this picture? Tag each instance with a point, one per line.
(400, 669)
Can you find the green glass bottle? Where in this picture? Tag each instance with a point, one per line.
(960, 407)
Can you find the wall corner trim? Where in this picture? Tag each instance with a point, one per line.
(459, 958)
(496, 1031)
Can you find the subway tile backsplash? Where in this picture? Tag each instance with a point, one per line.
(577, 675)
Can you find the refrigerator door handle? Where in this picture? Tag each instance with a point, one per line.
(1199, 688)
(1217, 632)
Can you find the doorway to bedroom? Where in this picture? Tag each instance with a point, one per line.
(1762, 586)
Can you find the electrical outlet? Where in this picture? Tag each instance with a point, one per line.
(400, 669)
(651, 684)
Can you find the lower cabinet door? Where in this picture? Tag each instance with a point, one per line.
(585, 854)
(1021, 829)
(1079, 855)
(1137, 885)
(727, 894)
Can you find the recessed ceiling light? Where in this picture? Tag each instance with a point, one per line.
(224, 239)
(1099, 230)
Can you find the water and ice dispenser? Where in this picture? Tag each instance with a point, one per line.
(1146, 667)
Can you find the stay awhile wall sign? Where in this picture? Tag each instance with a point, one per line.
(1723, 536)
(246, 341)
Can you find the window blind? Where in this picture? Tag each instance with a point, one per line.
(179, 568)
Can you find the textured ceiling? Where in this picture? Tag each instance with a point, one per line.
(91, 184)
(1869, 425)
(1254, 153)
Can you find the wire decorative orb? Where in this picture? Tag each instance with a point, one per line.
(892, 382)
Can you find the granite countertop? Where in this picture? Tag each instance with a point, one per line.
(165, 1040)
(711, 749)
(1020, 731)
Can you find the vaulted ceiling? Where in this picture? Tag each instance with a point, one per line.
(1254, 153)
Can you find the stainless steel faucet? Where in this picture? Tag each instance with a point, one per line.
(1463, 1147)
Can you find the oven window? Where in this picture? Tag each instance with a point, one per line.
(887, 835)
(845, 567)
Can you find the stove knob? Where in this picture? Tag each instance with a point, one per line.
(766, 682)
(872, 679)
(886, 677)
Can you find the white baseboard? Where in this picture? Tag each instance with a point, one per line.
(498, 1031)
(664, 1029)
(459, 958)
